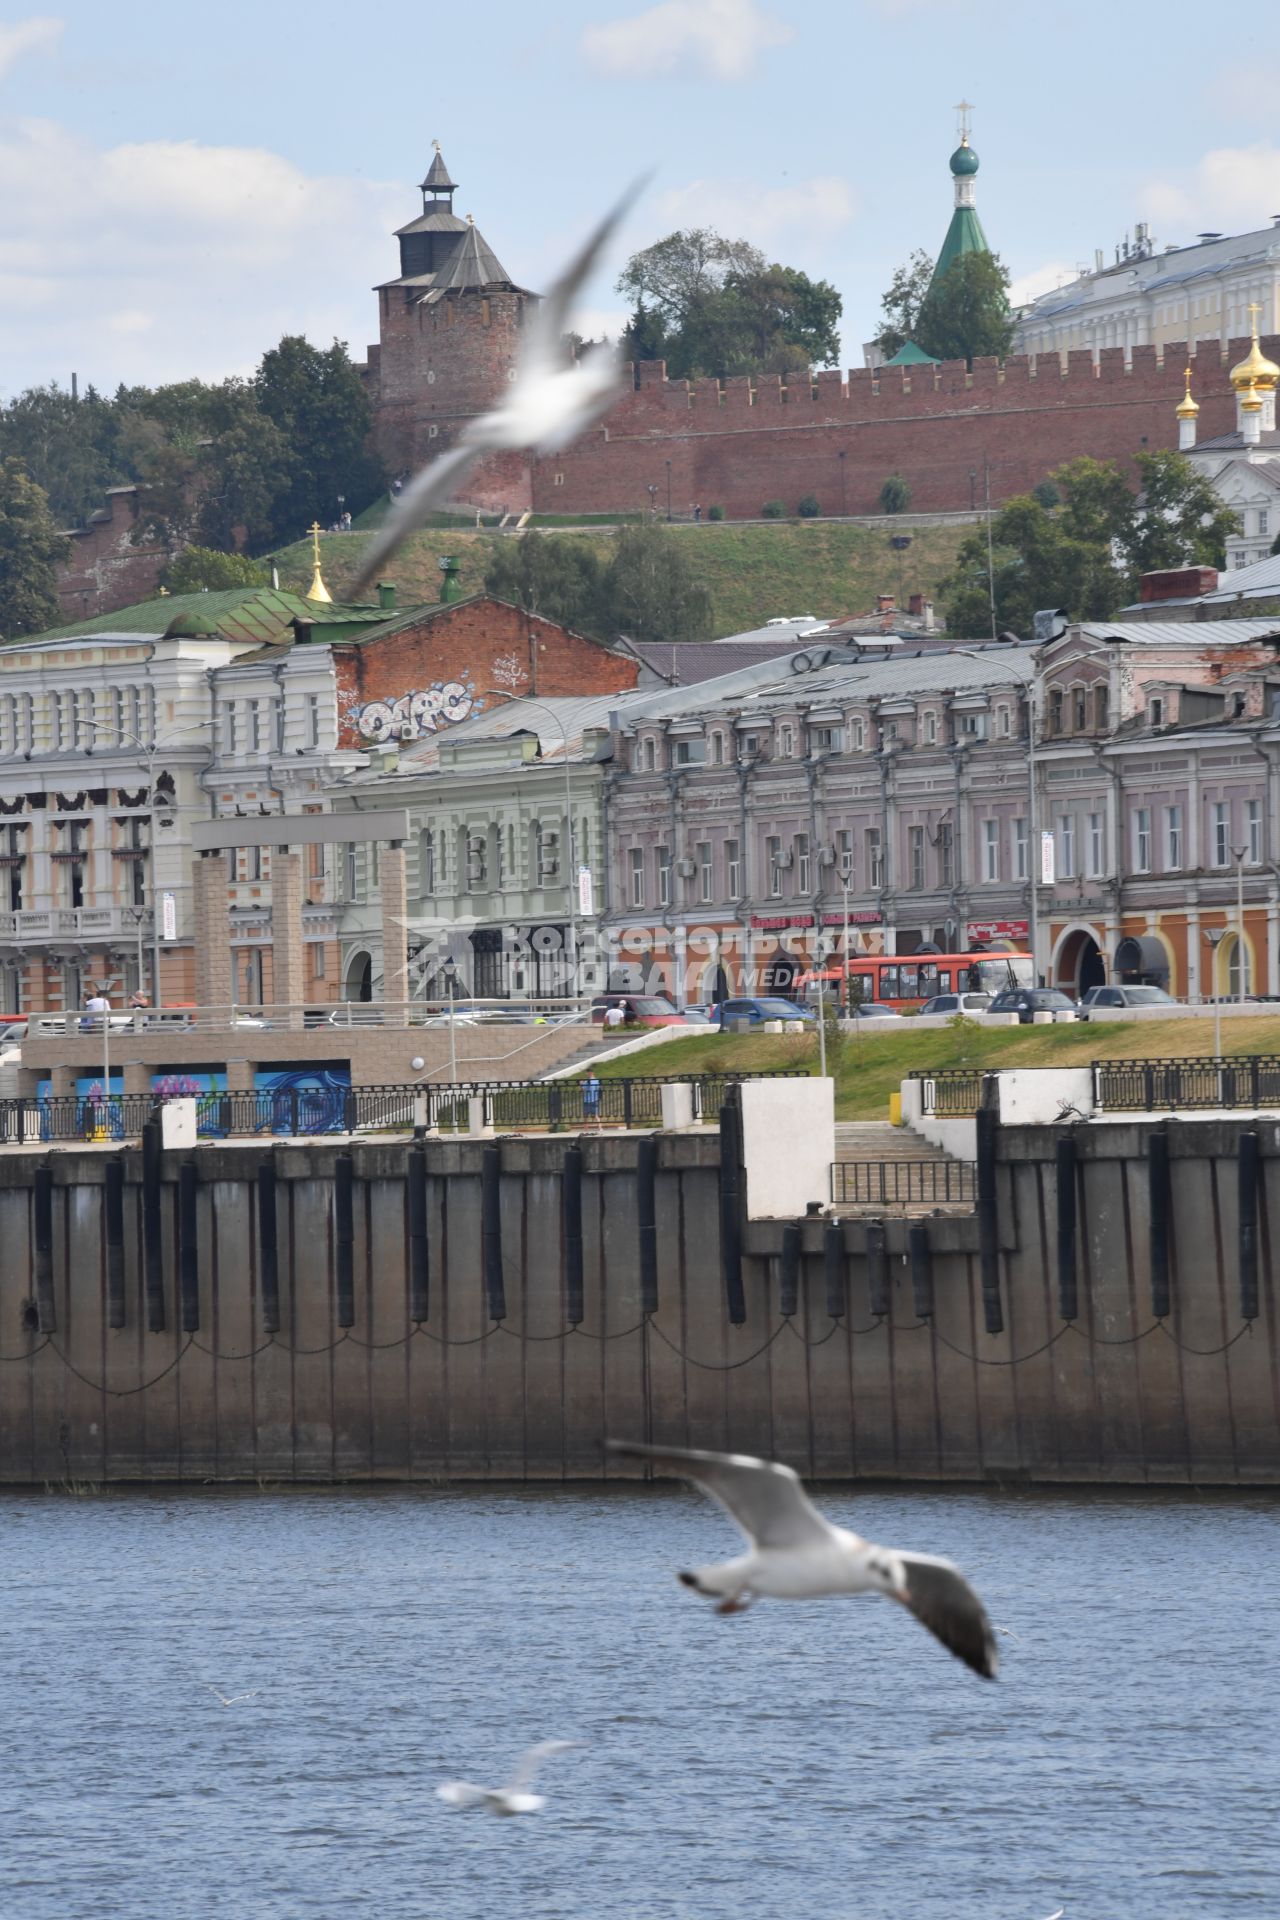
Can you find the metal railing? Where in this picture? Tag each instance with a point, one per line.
(1148, 1086)
(515, 1106)
(952, 1093)
(341, 1015)
(903, 1183)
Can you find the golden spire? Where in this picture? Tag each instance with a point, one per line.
(1255, 370)
(1186, 408)
(317, 590)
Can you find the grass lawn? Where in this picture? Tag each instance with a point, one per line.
(868, 1067)
(754, 571)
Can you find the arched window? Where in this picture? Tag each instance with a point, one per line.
(1055, 710)
(1101, 706)
(1079, 710)
(1235, 955)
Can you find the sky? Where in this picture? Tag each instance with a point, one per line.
(181, 186)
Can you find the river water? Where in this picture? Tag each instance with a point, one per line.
(792, 1763)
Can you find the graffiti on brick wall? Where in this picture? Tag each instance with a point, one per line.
(414, 715)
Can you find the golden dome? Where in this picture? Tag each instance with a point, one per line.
(1250, 400)
(1186, 408)
(1255, 370)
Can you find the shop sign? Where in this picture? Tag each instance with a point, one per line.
(997, 929)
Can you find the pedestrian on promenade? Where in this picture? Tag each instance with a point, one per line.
(591, 1100)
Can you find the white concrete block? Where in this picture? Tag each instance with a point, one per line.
(788, 1145)
(1037, 1096)
(677, 1105)
(178, 1125)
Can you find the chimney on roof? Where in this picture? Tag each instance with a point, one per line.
(1177, 583)
(915, 604)
(884, 603)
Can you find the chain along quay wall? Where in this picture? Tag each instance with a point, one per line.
(489, 1309)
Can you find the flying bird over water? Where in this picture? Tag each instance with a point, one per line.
(229, 1699)
(514, 1797)
(549, 404)
(794, 1554)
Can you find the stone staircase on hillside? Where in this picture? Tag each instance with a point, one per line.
(880, 1168)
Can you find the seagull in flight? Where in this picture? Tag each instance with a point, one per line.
(514, 1797)
(229, 1699)
(549, 404)
(794, 1554)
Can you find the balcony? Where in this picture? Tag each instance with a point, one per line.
(90, 924)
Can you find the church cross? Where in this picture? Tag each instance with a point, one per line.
(1253, 309)
(314, 531)
(963, 110)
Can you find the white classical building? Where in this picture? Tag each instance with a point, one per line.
(1146, 297)
(1243, 466)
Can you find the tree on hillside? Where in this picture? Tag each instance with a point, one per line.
(68, 447)
(710, 305)
(242, 475)
(31, 551)
(1087, 554)
(652, 590)
(967, 313)
(200, 569)
(317, 402)
(902, 303)
(551, 575)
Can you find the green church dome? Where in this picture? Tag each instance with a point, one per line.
(964, 160)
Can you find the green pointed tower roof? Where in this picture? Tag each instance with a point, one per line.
(965, 234)
(910, 355)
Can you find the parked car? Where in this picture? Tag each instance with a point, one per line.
(638, 1009)
(758, 1011)
(958, 1003)
(876, 1010)
(1026, 1001)
(1125, 997)
(698, 1016)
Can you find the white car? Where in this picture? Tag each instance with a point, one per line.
(957, 1003)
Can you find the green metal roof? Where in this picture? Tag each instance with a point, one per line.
(964, 235)
(910, 355)
(262, 615)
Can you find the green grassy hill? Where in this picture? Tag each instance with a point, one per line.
(869, 1067)
(754, 571)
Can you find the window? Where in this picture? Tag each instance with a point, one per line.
(786, 743)
(1155, 711)
(352, 882)
(875, 858)
(828, 739)
(636, 864)
(844, 853)
(477, 860)
(1101, 705)
(1055, 710)
(749, 745)
(1020, 849)
(1142, 840)
(991, 849)
(426, 863)
(973, 726)
(803, 864)
(317, 959)
(717, 749)
(662, 858)
(229, 727)
(946, 855)
(1221, 833)
(706, 884)
(650, 756)
(915, 858)
(313, 738)
(1264, 520)
(1079, 710)
(773, 865)
(1096, 866)
(1172, 839)
(502, 865)
(1253, 831)
(57, 722)
(148, 726)
(732, 869)
(690, 753)
(859, 734)
(85, 719)
(1004, 723)
(1067, 846)
(255, 726)
(546, 854)
(930, 728)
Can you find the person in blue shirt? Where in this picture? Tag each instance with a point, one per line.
(591, 1099)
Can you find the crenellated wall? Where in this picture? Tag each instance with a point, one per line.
(491, 1310)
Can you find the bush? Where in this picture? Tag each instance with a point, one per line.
(773, 510)
(715, 513)
(206, 569)
(1046, 495)
(895, 495)
(808, 508)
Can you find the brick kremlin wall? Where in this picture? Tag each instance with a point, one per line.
(748, 440)
(107, 568)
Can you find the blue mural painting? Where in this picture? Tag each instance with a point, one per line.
(94, 1116)
(302, 1099)
(179, 1083)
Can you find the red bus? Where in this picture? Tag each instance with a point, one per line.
(904, 981)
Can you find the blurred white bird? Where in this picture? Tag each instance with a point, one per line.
(513, 1798)
(549, 404)
(229, 1699)
(797, 1555)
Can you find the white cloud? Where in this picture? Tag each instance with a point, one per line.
(36, 35)
(1229, 190)
(809, 209)
(161, 260)
(716, 39)
(1029, 286)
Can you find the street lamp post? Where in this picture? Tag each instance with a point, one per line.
(147, 754)
(1239, 853)
(571, 877)
(450, 971)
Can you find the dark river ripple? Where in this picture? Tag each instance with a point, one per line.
(793, 1763)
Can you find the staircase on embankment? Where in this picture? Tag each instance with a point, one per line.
(880, 1168)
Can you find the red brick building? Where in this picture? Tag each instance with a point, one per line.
(449, 333)
(417, 675)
